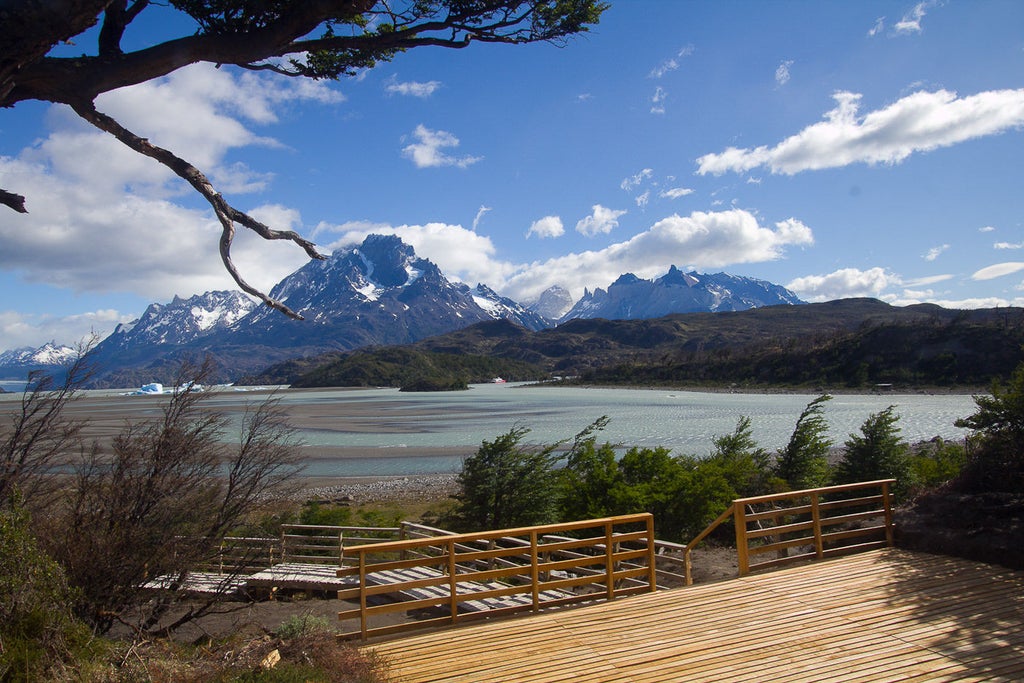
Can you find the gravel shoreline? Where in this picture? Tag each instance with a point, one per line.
(413, 487)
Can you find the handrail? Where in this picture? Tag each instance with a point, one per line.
(504, 571)
(787, 525)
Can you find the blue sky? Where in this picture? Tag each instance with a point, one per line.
(837, 148)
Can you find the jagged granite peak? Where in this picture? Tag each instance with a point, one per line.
(553, 303)
(631, 298)
(502, 308)
(48, 355)
(181, 321)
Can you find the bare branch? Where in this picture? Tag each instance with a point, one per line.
(15, 201)
(226, 214)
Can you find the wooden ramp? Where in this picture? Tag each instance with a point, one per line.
(887, 615)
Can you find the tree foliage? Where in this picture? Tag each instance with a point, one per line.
(877, 452)
(803, 462)
(506, 483)
(996, 451)
(318, 39)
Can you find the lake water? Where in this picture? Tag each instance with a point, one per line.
(683, 421)
(383, 432)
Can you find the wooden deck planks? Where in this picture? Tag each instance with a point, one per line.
(884, 615)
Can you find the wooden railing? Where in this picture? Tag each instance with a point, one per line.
(465, 576)
(809, 524)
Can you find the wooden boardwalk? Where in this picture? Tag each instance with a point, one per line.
(887, 615)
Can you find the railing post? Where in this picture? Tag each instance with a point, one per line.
(362, 595)
(535, 570)
(454, 598)
(819, 546)
(652, 556)
(888, 514)
(739, 516)
(609, 562)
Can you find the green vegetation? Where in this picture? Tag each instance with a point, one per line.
(413, 370)
(508, 483)
(996, 448)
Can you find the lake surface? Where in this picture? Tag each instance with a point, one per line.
(383, 432)
(391, 422)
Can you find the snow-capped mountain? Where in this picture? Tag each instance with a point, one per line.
(631, 297)
(179, 322)
(377, 293)
(553, 303)
(49, 354)
(501, 307)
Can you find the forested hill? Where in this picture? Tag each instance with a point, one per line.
(849, 342)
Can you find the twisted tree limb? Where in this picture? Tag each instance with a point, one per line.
(226, 214)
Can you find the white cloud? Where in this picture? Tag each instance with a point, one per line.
(21, 329)
(844, 283)
(700, 240)
(920, 122)
(631, 183)
(549, 226)
(782, 74)
(935, 252)
(643, 199)
(998, 270)
(460, 253)
(675, 192)
(987, 228)
(103, 218)
(928, 280)
(480, 213)
(672, 63)
(878, 27)
(602, 221)
(911, 21)
(1008, 245)
(959, 304)
(428, 152)
(411, 88)
(658, 100)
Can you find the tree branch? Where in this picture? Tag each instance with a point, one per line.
(226, 214)
(15, 201)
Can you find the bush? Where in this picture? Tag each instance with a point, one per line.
(37, 630)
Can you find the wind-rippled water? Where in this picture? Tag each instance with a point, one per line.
(683, 421)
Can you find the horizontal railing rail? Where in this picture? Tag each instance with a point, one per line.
(808, 524)
(470, 576)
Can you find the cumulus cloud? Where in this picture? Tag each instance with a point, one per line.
(1008, 245)
(920, 122)
(843, 283)
(419, 89)
(21, 329)
(103, 218)
(428, 150)
(461, 254)
(782, 74)
(987, 228)
(998, 270)
(935, 252)
(701, 240)
(601, 221)
(549, 226)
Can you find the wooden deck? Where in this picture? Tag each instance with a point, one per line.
(887, 615)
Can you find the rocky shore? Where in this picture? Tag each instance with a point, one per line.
(362, 491)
